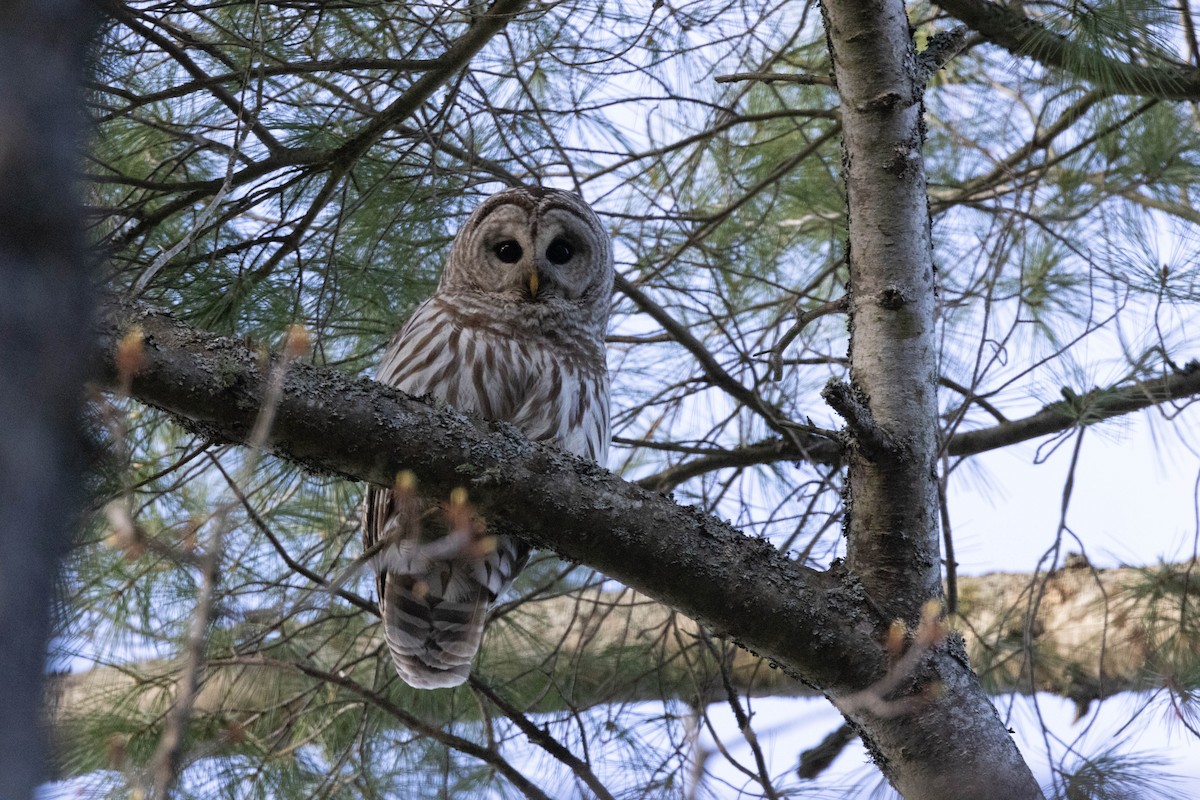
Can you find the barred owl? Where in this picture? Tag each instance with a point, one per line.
(514, 332)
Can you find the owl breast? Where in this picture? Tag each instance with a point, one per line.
(544, 385)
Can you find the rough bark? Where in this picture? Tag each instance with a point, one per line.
(813, 623)
(818, 626)
(44, 314)
(948, 742)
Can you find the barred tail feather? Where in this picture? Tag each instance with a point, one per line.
(434, 610)
(433, 639)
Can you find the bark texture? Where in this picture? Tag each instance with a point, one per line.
(946, 741)
(811, 622)
(44, 315)
(820, 627)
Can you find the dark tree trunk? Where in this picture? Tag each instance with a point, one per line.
(45, 328)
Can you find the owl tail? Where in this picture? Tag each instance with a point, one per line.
(433, 634)
(434, 610)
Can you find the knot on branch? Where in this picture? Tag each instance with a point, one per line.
(892, 299)
(851, 406)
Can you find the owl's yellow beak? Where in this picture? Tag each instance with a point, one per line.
(533, 283)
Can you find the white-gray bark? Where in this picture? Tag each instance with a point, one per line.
(933, 732)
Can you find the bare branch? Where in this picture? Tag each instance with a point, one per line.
(873, 440)
(804, 79)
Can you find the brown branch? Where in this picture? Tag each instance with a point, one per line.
(486, 25)
(457, 56)
(817, 759)
(126, 17)
(803, 320)
(872, 440)
(1101, 405)
(332, 65)
(437, 734)
(1088, 409)
(715, 373)
(940, 50)
(542, 738)
(805, 79)
(769, 451)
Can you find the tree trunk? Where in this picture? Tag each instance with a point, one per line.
(45, 315)
(933, 732)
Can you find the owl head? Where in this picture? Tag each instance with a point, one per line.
(542, 248)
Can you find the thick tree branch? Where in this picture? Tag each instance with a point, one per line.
(806, 620)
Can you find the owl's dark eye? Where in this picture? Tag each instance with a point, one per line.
(559, 251)
(508, 251)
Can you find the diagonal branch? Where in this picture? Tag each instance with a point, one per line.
(1026, 37)
(1087, 409)
(1090, 408)
(361, 429)
(460, 52)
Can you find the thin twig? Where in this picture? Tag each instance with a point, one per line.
(541, 737)
(256, 519)
(743, 719)
(168, 756)
(487, 755)
(948, 538)
(803, 78)
(840, 305)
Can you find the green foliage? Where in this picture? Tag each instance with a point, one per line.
(1112, 775)
(228, 185)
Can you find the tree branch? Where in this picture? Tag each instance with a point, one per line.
(1086, 409)
(364, 430)
(615, 647)
(1089, 408)
(1028, 38)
